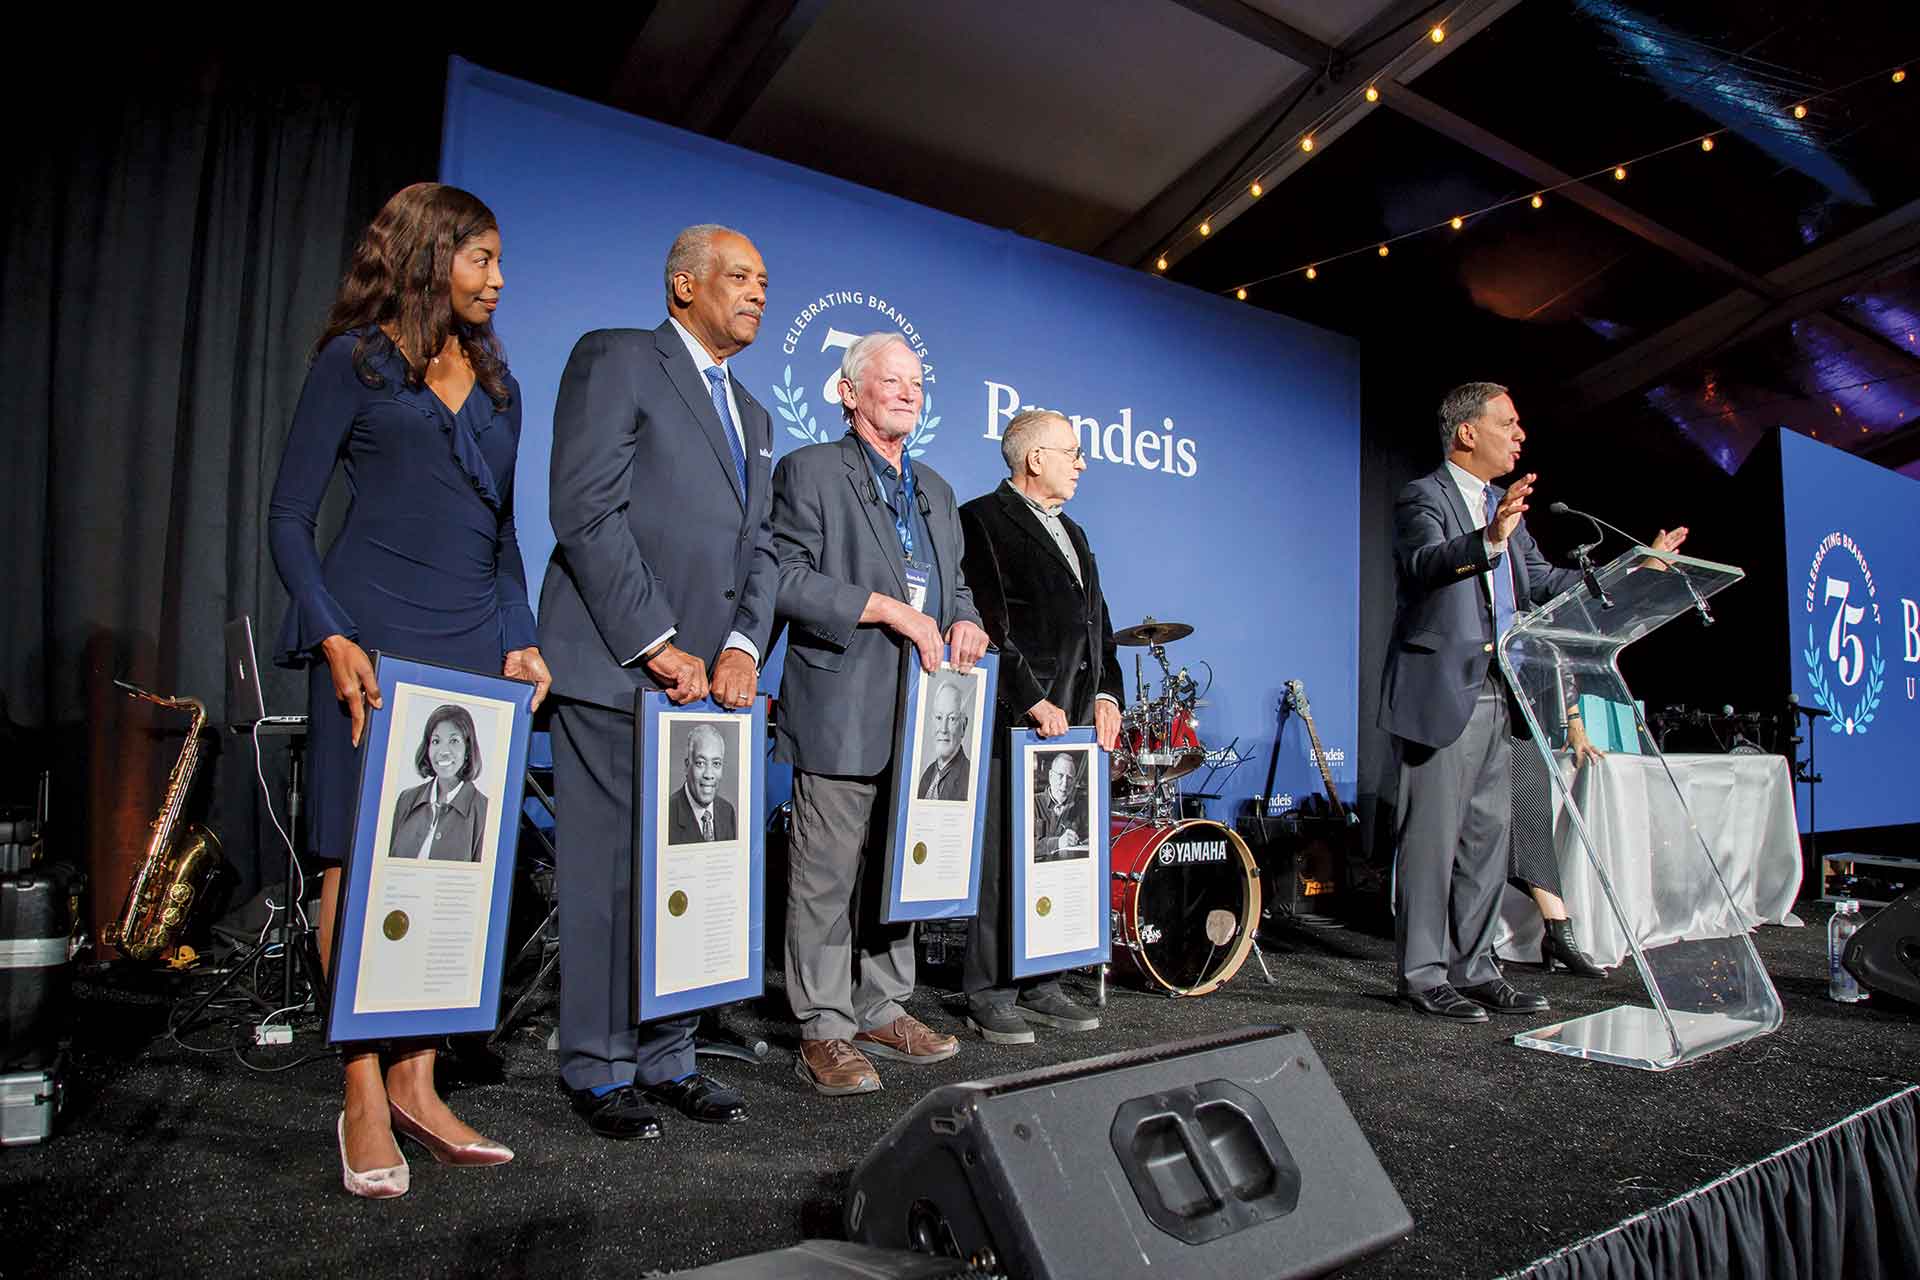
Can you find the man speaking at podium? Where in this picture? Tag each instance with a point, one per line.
(1464, 566)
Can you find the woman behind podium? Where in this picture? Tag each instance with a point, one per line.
(409, 396)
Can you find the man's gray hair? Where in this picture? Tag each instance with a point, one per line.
(1023, 436)
(693, 737)
(1464, 403)
(692, 252)
(853, 365)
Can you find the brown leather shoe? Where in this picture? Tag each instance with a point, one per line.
(907, 1039)
(835, 1067)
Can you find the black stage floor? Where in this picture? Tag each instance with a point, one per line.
(170, 1163)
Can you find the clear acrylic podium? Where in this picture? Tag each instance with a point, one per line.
(1707, 992)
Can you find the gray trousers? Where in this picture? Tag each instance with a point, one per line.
(1451, 861)
(593, 836)
(846, 972)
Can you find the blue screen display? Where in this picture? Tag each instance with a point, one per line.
(1223, 441)
(1853, 627)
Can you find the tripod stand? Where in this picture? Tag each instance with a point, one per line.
(294, 938)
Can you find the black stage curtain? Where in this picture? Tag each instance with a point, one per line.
(173, 235)
(1846, 1202)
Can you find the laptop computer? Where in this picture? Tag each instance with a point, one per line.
(246, 696)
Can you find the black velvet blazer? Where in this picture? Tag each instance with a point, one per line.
(1055, 637)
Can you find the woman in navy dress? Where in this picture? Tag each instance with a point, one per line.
(410, 397)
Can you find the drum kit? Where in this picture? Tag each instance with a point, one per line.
(1185, 892)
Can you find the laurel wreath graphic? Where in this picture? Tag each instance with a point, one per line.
(1839, 721)
(801, 424)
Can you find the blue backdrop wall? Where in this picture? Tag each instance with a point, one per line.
(1222, 485)
(1853, 629)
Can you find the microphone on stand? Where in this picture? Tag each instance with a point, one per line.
(1699, 601)
(1811, 713)
(1583, 554)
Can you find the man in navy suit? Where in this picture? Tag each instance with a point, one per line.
(1464, 565)
(663, 578)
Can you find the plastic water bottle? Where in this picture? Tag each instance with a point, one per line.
(1845, 923)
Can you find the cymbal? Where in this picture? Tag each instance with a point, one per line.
(1152, 632)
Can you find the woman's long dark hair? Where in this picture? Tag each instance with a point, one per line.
(399, 277)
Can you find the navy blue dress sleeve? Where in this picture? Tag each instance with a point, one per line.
(510, 571)
(322, 421)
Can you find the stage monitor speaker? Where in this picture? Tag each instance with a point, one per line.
(1885, 953)
(1229, 1155)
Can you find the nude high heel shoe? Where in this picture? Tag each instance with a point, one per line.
(470, 1154)
(374, 1184)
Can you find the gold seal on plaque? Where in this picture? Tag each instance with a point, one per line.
(395, 926)
(919, 853)
(1043, 906)
(677, 903)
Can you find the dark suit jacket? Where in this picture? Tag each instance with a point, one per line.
(954, 786)
(682, 827)
(651, 529)
(463, 828)
(1443, 628)
(1050, 824)
(836, 545)
(1055, 636)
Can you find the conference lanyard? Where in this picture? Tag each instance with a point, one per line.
(907, 495)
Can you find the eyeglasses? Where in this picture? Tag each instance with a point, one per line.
(1079, 454)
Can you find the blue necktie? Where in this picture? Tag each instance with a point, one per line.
(1503, 609)
(717, 380)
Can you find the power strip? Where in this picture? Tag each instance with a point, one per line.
(273, 1033)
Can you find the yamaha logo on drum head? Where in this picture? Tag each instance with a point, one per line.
(1193, 851)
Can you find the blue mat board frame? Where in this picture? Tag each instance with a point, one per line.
(351, 923)
(649, 706)
(1020, 762)
(896, 910)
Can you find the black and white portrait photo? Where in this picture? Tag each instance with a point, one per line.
(1062, 807)
(443, 819)
(944, 739)
(704, 774)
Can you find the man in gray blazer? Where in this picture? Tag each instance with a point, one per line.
(869, 548)
(661, 488)
(1465, 566)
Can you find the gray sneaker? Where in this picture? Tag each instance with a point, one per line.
(1052, 1009)
(998, 1024)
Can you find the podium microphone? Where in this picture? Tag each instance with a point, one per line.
(1583, 554)
(1699, 601)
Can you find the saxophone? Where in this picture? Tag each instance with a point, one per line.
(178, 860)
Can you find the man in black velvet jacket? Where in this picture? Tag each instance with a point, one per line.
(1038, 592)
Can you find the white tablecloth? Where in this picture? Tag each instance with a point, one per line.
(1744, 807)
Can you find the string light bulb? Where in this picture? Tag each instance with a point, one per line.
(1160, 265)
(1799, 111)
(1536, 202)
(1900, 76)
(1256, 191)
(1619, 173)
(1306, 143)
(1206, 228)
(1383, 251)
(1240, 294)
(1437, 34)
(1706, 144)
(1458, 222)
(1373, 91)
(1313, 273)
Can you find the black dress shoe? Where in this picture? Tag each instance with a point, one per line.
(1444, 1002)
(1558, 946)
(700, 1098)
(1501, 997)
(620, 1114)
